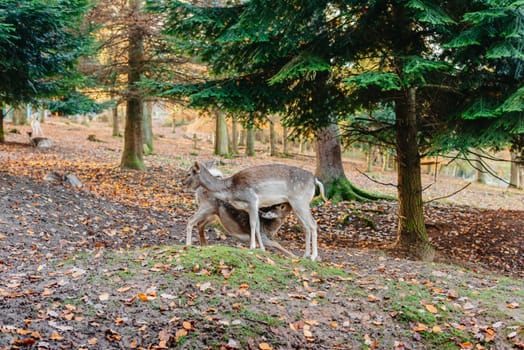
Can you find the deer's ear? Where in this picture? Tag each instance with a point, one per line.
(196, 166)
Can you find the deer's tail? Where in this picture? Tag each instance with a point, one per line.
(321, 189)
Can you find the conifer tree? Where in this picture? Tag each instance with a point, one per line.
(445, 71)
(258, 63)
(40, 43)
(449, 73)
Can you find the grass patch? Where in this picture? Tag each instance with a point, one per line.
(240, 294)
(236, 267)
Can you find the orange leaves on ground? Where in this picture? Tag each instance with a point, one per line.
(265, 346)
(187, 326)
(489, 335)
(25, 342)
(142, 297)
(180, 333)
(431, 308)
(56, 337)
(150, 295)
(466, 345)
(112, 336)
(164, 337)
(373, 298)
(306, 327)
(372, 343)
(420, 327)
(123, 289)
(47, 292)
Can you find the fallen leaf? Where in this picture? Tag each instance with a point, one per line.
(25, 342)
(466, 345)
(103, 297)
(452, 294)
(420, 327)
(431, 308)
(180, 333)
(511, 335)
(264, 346)
(373, 298)
(47, 292)
(164, 336)
(142, 297)
(23, 331)
(205, 286)
(56, 337)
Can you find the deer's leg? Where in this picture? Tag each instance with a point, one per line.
(254, 224)
(201, 234)
(277, 246)
(197, 219)
(306, 219)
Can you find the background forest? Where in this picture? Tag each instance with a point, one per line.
(379, 99)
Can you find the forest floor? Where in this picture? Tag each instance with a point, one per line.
(103, 266)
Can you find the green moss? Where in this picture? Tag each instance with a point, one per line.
(343, 190)
(234, 267)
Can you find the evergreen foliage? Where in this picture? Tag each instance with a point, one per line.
(40, 42)
(443, 75)
(76, 103)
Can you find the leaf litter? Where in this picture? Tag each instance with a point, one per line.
(82, 268)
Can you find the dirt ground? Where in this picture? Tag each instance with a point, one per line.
(481, 228)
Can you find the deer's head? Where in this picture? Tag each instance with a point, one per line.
(192, 178)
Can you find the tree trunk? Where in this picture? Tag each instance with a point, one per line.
(114, 114)
(148, 127)
(234, 135)
(250, 141)
(329, 165)
(514, 180)
(480, 169)
(20, 116)
(116, 124)
(42, 115)
(2, 134)
(272, 138)
(250, 138)
(369, 158)
(412, 234)
(221, 134)
(133, 154)
(521, 176)
(330, 169)
(285, 143)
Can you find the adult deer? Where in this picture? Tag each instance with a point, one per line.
(234, 221)
(263, 186)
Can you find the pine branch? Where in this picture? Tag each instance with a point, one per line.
(375, 181)
(449, 195)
